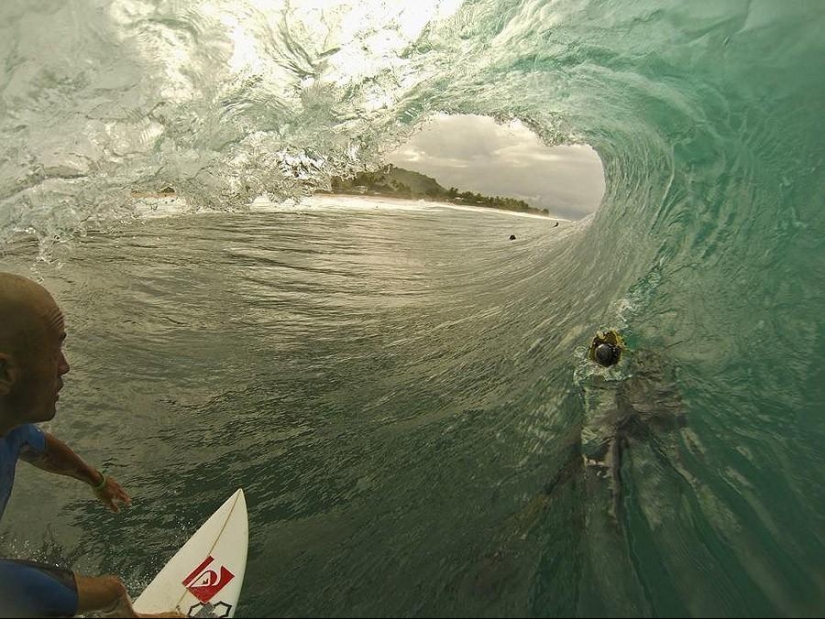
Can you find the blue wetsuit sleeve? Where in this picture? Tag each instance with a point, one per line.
(32, 441)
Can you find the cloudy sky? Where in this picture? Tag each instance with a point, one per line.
(473, 153)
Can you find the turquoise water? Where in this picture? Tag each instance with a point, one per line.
(417, 454)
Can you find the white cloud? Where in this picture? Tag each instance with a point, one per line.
(474, 153)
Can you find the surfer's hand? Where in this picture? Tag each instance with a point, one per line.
(112, 494)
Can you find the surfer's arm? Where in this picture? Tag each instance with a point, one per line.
(57, 457)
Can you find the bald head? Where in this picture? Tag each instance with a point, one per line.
(31, 356)
(27, 312)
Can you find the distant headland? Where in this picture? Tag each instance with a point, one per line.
(400, 183)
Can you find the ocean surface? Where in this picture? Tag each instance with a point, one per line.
(401, 390)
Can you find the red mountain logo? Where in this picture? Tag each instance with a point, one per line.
(204, 582)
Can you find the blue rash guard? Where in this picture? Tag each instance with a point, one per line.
(29, 589)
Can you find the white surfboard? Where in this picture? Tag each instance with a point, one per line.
(204, 578)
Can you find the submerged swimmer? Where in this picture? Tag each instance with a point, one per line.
(630, 401)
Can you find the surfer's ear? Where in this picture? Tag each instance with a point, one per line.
(8, 373)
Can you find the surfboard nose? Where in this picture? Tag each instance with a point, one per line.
(207, 573)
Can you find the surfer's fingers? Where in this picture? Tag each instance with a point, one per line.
(117, 493)
(124, 498)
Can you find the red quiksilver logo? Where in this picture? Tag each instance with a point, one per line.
(205, 582)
